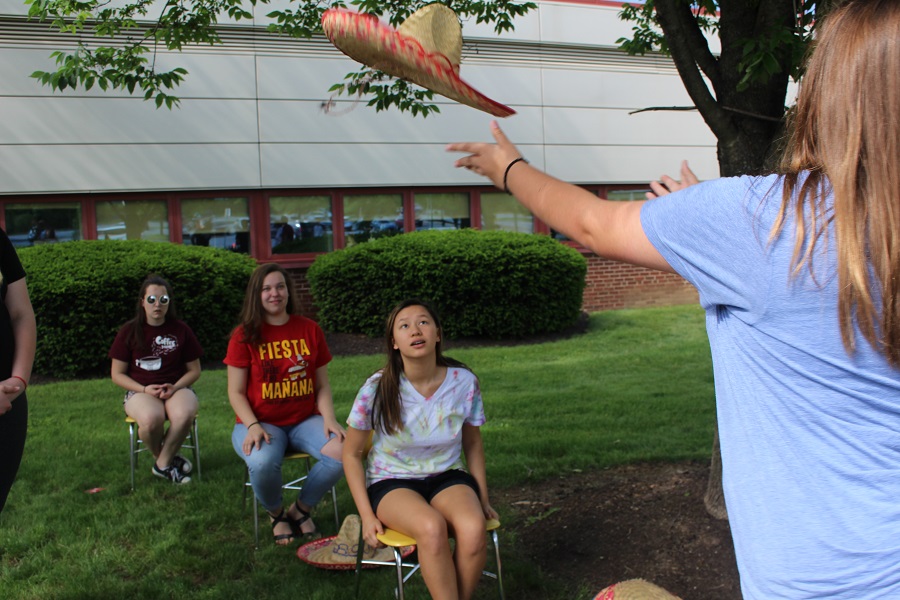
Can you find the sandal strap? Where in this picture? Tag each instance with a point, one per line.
(282, 517)
(305, 516)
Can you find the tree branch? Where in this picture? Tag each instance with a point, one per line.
(746, 113)
(677, 21)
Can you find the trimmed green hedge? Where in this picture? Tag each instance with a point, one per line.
(84, 291)
(489, 284)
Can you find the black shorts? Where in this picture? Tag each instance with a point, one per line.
(428, 487)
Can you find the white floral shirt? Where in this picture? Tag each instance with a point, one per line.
(431, 440)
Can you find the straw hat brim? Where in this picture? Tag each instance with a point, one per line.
(634, 589)
(398, 52)
(338, 552)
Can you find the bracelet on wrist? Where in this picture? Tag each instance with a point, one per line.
(506, 173)
(252, 424)
(24, 383)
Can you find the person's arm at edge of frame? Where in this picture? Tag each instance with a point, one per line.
(355, 473)
(237, 397)
(610, 229)
(24, 328)
(325, 404)
(473, 448)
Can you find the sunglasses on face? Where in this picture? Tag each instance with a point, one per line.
(163, 300)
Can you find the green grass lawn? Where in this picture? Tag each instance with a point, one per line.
(636, 387)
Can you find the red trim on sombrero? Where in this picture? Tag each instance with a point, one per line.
(305, 550)
(365, 39)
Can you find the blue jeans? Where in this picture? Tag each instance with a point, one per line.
(264, 464)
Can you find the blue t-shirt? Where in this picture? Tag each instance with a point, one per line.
(810, 435)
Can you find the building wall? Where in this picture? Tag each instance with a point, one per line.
(251, 118)
(251, 113)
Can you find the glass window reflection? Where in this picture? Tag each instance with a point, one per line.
(299, 225)
(216, 222)
(133, 220)
(502, 212)
(43, 223)
(372, 216)
(442, 211)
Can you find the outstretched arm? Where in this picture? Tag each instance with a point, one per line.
(611, 229)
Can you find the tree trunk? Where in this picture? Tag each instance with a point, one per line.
(746, 119)
(714, 500)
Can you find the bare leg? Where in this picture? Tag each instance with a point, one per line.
(150, 414)
(407, 512)
(461, 508)
(181, 409)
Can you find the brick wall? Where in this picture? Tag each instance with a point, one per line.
(610, 285)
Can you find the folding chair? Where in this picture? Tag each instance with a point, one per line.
(396, 541)
(137, 446)
(294, 484)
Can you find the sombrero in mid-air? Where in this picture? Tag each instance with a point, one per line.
(425, 49)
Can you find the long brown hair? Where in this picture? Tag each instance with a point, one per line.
(252, 313)
(845, 134)
(387, 407)
(136, 325)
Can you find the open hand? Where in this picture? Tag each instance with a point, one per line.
(667, 185)
(255, 437)
(487, 160)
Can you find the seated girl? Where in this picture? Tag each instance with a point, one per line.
(423, 412)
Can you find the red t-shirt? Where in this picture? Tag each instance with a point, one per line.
(167, 349)
(281, 378)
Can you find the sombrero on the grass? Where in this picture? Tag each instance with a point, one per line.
(338, 552)
(425, 49)
(634, 589)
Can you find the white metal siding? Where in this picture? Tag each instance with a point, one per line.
(251, 114)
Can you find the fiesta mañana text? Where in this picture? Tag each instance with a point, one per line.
(283, 349)
(287, 389)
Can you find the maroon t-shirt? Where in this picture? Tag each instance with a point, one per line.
(167, 349)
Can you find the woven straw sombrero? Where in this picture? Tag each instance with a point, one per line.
(426, 49)
(338, 552)
(634, 589)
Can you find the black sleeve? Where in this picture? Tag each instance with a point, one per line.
(10, 265)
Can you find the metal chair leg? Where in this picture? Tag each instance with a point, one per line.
(398, 559)
(195, 438)
(496, 540)
(132, 454)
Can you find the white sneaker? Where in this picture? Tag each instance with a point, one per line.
(182, 464)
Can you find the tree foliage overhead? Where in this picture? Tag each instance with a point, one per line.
(741, 91)
(125, 38)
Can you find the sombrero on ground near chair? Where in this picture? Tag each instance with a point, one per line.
(634, 589)
(339, 552)
(425, 49)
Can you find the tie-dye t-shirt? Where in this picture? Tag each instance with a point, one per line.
(431, 440)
